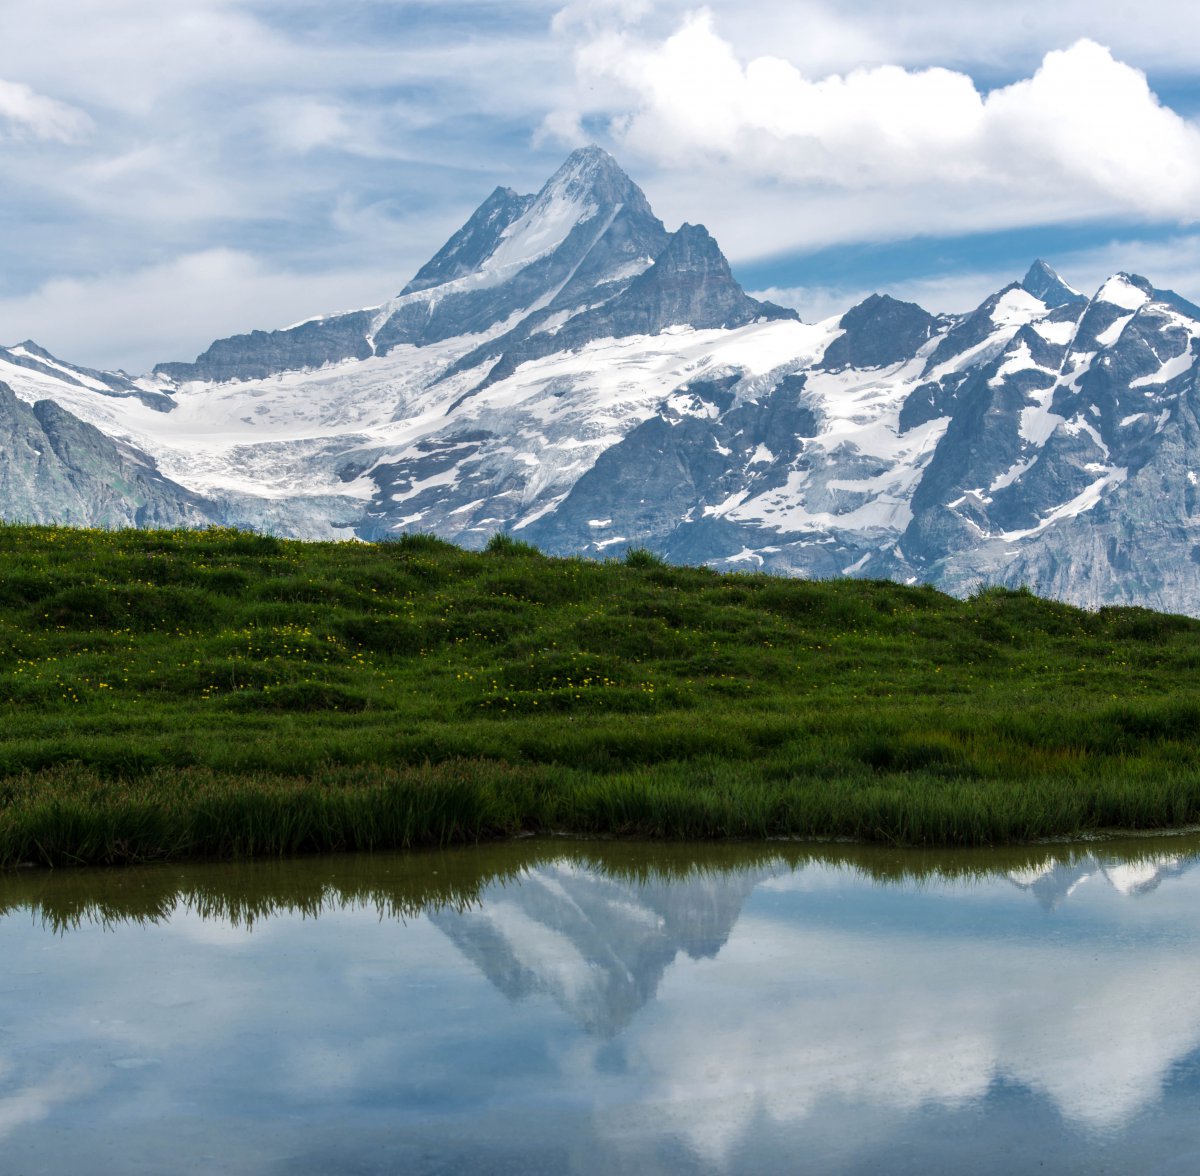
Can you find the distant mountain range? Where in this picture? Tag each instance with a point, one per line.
(566, 370)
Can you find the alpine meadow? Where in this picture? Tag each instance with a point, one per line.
(217, 693)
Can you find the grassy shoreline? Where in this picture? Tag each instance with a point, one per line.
(172, 695)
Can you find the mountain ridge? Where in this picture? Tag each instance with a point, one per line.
(567, 370)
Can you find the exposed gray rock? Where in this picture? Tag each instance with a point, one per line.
(661, 486)
(264, 353)
(613, 237)
(1043, 283)
(1140, 544)
(933, 399)
(969, 331)
(30, 356)
(878, 332)
(1049, 439)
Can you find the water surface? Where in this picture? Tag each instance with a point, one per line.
(589, 1008)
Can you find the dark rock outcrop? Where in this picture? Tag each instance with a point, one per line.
(1044, 284)
(264, 353)
(878, 332)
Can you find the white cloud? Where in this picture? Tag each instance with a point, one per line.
(151, 61)
(131, 54)
(306, 123)
(1083, 136)
(303, 123)
(822, 36)
(25, 113)
(595, 15)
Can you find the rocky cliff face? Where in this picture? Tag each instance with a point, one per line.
(1067, 463)
(565, 370)
(56, 469)
(38, 363)
(469, 248)
(263, 353)
(877, 333)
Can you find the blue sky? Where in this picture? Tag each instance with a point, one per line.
(175, 172)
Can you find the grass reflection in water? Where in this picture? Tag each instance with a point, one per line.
(407, 885)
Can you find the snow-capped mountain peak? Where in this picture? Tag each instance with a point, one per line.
(1128, 291)
(589, 186)
(590, 175)
(580, 240)
(1045, 284)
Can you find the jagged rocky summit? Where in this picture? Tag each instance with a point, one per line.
(566, 370)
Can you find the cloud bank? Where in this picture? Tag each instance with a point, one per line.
(1083, 136)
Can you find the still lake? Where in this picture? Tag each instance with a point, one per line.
(556, 1006)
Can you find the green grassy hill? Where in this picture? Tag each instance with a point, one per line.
(219, 693)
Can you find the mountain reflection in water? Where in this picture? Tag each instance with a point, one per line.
(608, 1007)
